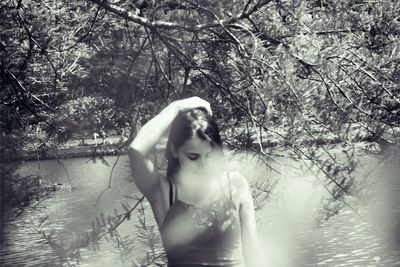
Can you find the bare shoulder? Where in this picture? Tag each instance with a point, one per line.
(240, 186)
(238, 180)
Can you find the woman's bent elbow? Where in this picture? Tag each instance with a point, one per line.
(134, 151)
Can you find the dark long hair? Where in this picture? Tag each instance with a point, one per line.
(186, 125)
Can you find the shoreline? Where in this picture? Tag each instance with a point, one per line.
(113, 148)
(66, 152)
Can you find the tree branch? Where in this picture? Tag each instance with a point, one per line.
(86, 34)
(130, 16)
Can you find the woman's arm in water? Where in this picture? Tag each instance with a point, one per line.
(250, 244)
(144, 173)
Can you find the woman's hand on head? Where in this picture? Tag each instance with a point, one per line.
(193, 102)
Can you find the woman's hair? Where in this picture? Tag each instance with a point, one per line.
(186, 125)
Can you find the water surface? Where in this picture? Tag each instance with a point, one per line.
(286, 223)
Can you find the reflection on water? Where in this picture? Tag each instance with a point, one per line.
(286, 223)
(69, 211)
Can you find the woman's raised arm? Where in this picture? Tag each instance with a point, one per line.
(144, 173)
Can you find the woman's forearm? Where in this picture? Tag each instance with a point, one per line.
(150, 134)
(152, 131)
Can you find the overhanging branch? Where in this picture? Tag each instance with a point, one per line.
(131, 16)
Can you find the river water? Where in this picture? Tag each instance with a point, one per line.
(289, 236)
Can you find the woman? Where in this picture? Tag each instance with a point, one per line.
(205, 216)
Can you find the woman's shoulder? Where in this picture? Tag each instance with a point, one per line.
(239, 186)
(239, 183)
(237, 178)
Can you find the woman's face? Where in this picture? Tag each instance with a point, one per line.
(198, 157)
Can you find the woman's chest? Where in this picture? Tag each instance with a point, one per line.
(186, 224)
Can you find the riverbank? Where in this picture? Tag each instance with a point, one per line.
(69, 152)
(72, 149)
(113, 145)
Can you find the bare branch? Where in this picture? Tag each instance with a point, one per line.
(159, 65)
(86, 34)
(29, 94)
(131, 16)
